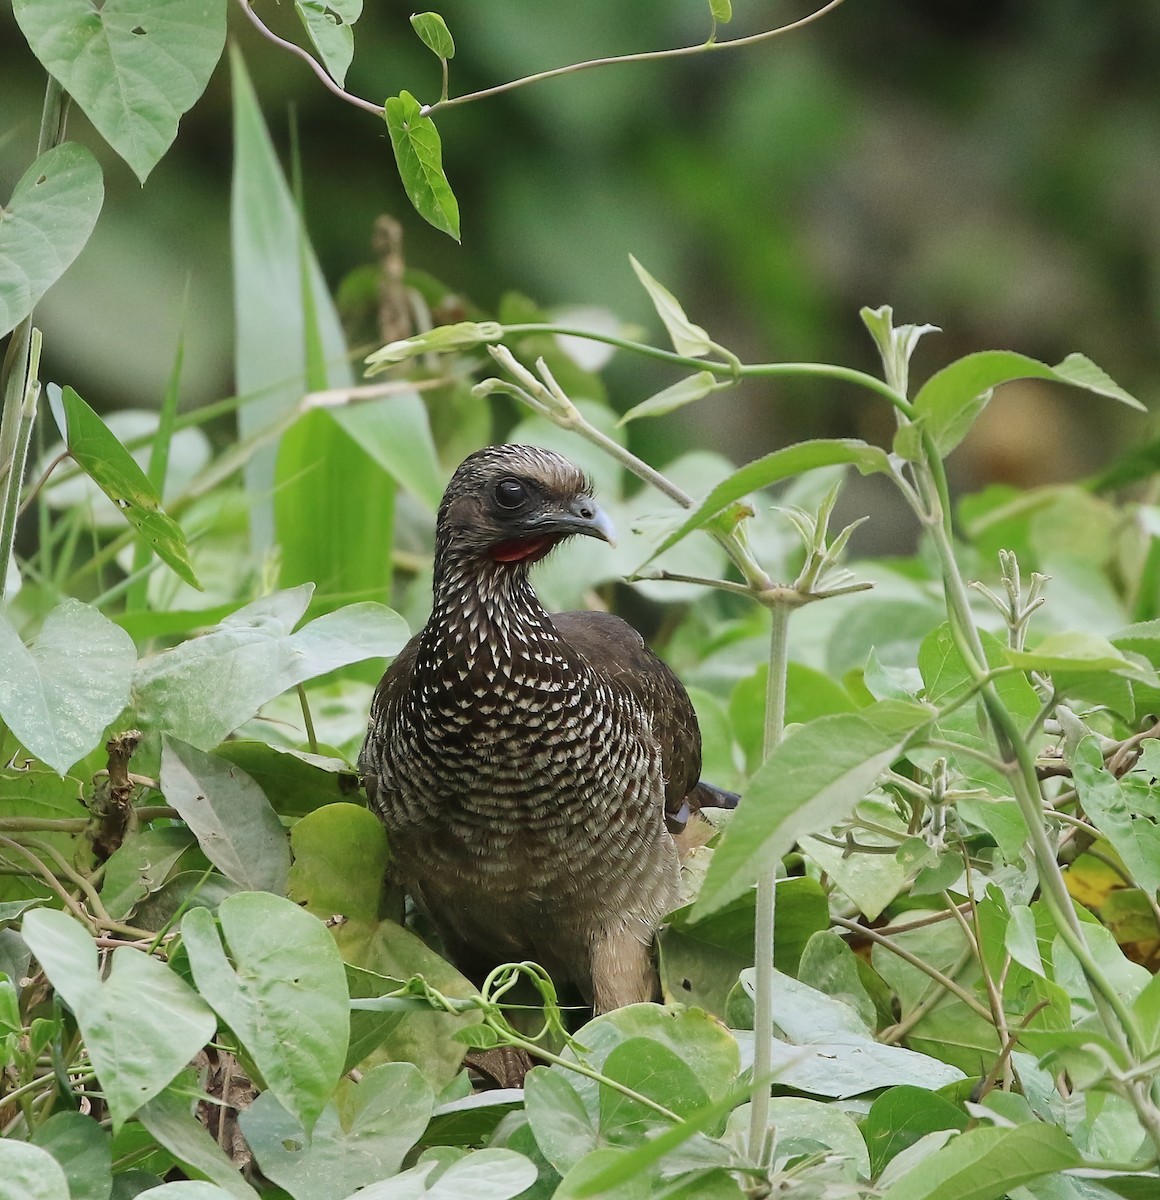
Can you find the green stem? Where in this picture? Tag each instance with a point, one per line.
(1020, 762)
(22, 436)
(775, 688)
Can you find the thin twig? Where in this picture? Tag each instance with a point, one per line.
(644, 56)
(310, 60)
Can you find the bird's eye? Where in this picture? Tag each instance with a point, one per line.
(510, 493)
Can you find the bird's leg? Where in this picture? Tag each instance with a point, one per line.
(622, 967)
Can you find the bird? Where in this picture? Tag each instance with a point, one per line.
(536, 773)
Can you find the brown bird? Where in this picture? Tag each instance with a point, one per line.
(533, 771)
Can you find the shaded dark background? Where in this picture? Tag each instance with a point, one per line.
(989, 166)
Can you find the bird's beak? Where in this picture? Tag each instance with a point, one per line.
(586, 518)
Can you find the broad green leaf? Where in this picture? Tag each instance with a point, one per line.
(83, 1149)
(948, 403)
(562, 1127)
(687, 391)
(687, 338)
(840, 1070)
(900, 1116)
(59, 694)
(340, 857)
(330, 24)
(830, 966)
(722, 10)
(773, 468)
(44, 226)
(30, 1173)
(296, 782)
(803, 1126)
(419, 157)
(276, 277)
(140, 866)
(1109, 805)
(204, 688)
(1147, 1009)
(236, 827)
(653, 1070)
(113, 469)
(284, 995)
(141, 1025)
(169, 1119)
(187, 1189)
(812, 780)
(361, 1137)
(134, 66)
(1078, 652)
(696, 1038)
(481, 1175)
(984, 1164)
(396, 433)
(434, 34)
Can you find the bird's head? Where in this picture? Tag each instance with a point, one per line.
(512, 504)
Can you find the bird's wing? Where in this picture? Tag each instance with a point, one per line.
(392, 686)
(618, 652)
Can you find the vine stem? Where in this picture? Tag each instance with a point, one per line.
(644, 56)
(775, 688)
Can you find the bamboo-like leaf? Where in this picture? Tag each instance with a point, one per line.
(113, 469)
(419, 157)
(687, 338)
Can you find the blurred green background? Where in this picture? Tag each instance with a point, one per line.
(990, 166)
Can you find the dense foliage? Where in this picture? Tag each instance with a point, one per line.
(920, 959)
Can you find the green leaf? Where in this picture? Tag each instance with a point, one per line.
(59, 694)
(687, 338)
(419, 157)
(1078, 652)
(687, 391)
(773, 468)
(134, 66)
(811, 781)
(1109, 805)
(44, 226)
(896, 345)
(984, 1164)
(330, 24)
(653, 1070)
(361, 1137)
(169, 1119)
(948, 403)
(562, 1127)
(396, 433)
(284, 995)
(902, 1115)
(83, 1149)
(113, 469)
(722, 10)
(434, 34)
(185, 1189)
(141, 1025)
(234, 823)
(140, 866)
(482, 1175)
(30, 1173)
(276, 277)
(204, 688)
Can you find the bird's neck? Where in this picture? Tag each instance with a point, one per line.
(483, 605)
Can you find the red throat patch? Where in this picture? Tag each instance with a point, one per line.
(523, 549)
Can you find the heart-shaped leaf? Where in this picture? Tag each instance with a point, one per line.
(59, 694)
(141, 1025)
(330, 24)
(45, 226)
(134, 66)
